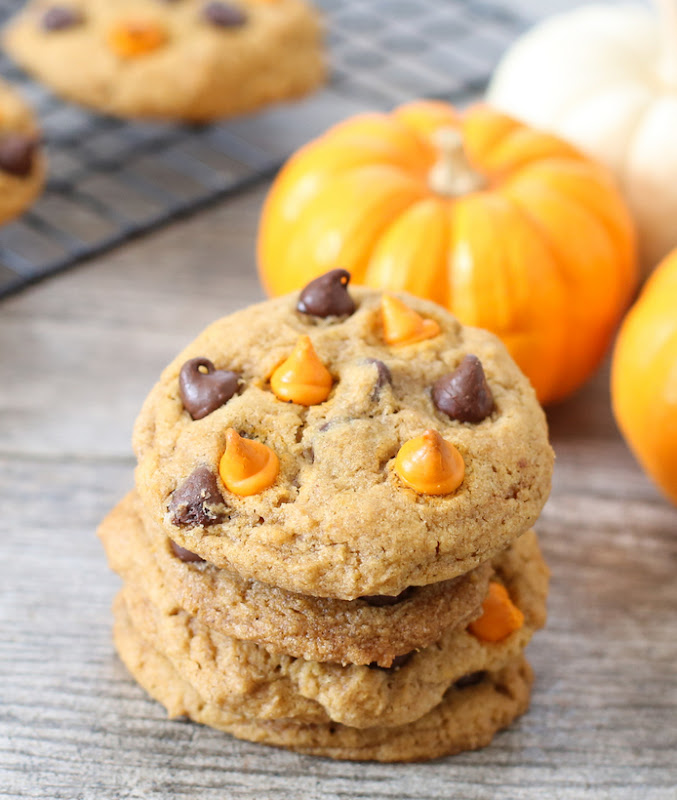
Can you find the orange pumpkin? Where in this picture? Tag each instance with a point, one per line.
(511, 229)
(644, 377)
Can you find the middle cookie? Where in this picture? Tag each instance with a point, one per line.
(364, 631)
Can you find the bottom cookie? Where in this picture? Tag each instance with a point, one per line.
(466, 719)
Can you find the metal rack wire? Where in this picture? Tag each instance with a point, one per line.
(111, 179)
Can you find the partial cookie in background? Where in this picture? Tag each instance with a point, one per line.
(245, 679)
(193, 60)
(364, 631)
(22, 163)
(467, 718)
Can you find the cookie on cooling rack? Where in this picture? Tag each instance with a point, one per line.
(194, 60)
(22, 163)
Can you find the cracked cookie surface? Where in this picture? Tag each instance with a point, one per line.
(317, 629)
(338, 521)
(187, 59)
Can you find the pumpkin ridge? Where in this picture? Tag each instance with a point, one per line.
(360, 270)
(569, 321)
(578, 207)
(546, 376)
(579, 171)
(652, 444)
(525, 146)
(409, 144)
(355, 256)
(388, 260)
(644, 378)
(474, 117)
(423, 119)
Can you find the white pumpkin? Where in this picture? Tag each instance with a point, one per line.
(605, 78)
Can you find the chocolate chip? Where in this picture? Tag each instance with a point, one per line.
(59, 18)
(471, 679)
(380, 600)
(16, 153)
(397, 662)
(183, 554)
(327, 296)
(197, 501)
(204, 392)
(383, 376)
(224, 15)
(464, 394)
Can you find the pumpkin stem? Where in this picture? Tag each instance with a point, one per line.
(667, 24)
(452, 174)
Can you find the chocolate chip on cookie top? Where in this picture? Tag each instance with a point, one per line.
(302, 378)
(247, 467)
(197, 501)
(403, 325)
(429, 464)
(223, 15)
(17, 151)
(327, 296)
(203, 388)
(60, 18)
(464, 394)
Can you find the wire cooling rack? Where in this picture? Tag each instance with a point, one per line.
(111, 179)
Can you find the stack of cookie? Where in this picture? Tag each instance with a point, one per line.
(329, 544)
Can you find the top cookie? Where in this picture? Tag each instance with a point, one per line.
(342, 493)
(177, 59)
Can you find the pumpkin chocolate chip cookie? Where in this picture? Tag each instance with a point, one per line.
(370, 443)
(22, 163)
(328, 547)
(370, 630)
(187, 59)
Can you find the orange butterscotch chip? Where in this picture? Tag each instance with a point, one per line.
(403, 325)
(132, 38)
(500, 616)
(430, 464)
(247, 467)
(302, 378)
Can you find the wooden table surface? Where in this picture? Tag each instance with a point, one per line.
(77, 356)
